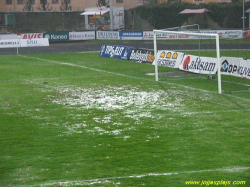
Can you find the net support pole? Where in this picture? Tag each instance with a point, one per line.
(156, 60)
(218, 63)
(111, 16)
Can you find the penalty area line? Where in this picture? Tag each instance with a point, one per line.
(107, 179)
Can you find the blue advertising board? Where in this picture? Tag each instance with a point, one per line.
(114, 51)
(132, 35)
(59, 36)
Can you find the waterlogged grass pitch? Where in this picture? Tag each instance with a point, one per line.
(77, 119)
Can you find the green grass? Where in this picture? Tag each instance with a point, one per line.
(76, 119)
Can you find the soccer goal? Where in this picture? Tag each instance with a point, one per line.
(191, 58)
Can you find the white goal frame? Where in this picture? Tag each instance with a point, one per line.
(214, 36)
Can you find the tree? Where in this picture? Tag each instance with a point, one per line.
(44, 6)
(28, 5)
(101, 3)
(174, 1)
(65, 5)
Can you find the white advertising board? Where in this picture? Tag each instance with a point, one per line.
(224, 34)
(9, 43)
(24, 43)
(107, 35)
(169, 58)
(200, 65)
(238, 67)
(88, 35)
(35, 42)
(149, 35)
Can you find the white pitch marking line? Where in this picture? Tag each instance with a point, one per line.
(88, 181)
(119, 74)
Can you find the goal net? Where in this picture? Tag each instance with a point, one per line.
(235, 63)
(189, 58)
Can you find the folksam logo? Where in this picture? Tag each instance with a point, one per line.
(186, 63)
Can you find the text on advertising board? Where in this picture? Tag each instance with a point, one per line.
(235, 66)
(114, 51)
(142, 56)
(202, 65)
(32, 36)
(169, 58)
(57, 36)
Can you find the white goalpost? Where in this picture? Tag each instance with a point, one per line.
(188, 36)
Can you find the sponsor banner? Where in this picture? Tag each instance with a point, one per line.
(149, 35)
(169, 58)
(247, 34)
(110, 35)
(88, 35)
(142, 56)
(227, 34)
(230, 34)
(63, 36)
(238, 67)
(200, 65)
(131, 35)
(35, 42)
(114, 51)
(9, 43)
(31, 35)
(223, 34)
(24, 43)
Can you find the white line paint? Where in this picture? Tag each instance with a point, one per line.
(119, 74)
(108, 179)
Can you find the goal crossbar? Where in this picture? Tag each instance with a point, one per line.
(215, 36)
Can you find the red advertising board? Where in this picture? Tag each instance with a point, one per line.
(247, 34)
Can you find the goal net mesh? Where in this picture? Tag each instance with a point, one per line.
(197, 60)
(187, 58)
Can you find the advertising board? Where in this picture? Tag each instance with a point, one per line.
(9, 43)
(200, 65)
(169, 58)
(149, 35)
(24, 43)
(225, 34)
(238, 67)
(60, 36)
(131, 35)
(109, 35)
(31, 35)
(34, 42)
(114, 51)
(88, 35)
(142, 56)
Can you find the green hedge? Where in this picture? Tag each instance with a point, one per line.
(165, 15)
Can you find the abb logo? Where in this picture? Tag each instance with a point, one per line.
(32, 36)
